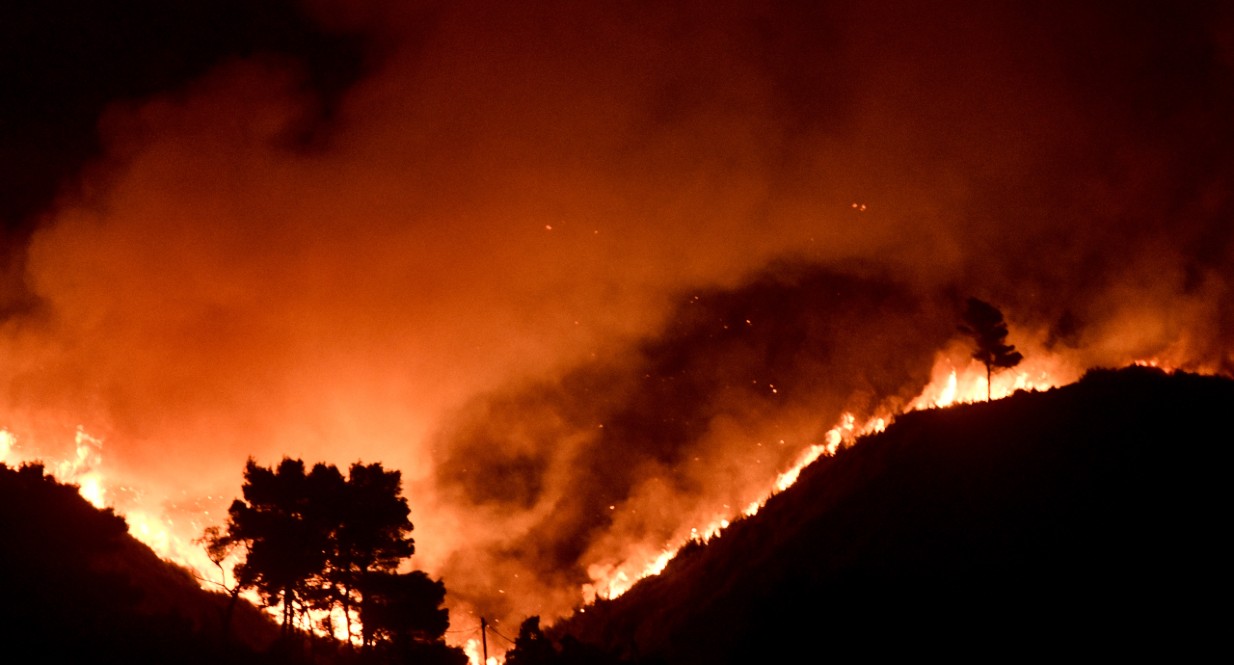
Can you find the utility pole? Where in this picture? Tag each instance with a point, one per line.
(484, 639)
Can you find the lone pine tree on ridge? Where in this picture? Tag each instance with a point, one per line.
(984, 323)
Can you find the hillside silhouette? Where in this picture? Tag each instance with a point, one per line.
(1083, 520)
(79, 588)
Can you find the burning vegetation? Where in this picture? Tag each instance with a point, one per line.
(600, 281)
(1045, 521)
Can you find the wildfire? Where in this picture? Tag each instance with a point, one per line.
(954, 379)
(170, 528)
(167, 528)
(475, 656)
(610, 581)
(6, 445)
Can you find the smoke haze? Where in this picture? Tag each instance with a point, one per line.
(578, 270)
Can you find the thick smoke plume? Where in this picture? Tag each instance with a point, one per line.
(622, 452)
(577, 270)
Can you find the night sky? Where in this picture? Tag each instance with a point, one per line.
(574, 267)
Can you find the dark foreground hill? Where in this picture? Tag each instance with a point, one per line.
(1087, 520)
(78, 588)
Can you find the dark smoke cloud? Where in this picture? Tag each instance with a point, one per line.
(62, 62)
(733, 387)
(465, 239)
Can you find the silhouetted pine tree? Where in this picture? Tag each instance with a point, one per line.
(984, 323)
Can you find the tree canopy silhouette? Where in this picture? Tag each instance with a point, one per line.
(284, 526)
(532, 647)
(318, 541)
(984, 323)
(402, 612)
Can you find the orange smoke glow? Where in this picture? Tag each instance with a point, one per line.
(516, 252)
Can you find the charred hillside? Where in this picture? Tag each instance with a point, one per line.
(1085, 517)
(79, 588)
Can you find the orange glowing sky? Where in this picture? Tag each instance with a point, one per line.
(506, 197)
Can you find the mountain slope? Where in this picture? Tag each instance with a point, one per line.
(1086, 517)
(79, 588)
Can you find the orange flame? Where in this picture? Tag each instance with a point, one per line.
(168, 529)
(475, 657)
(955, 379)
(612, 579)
